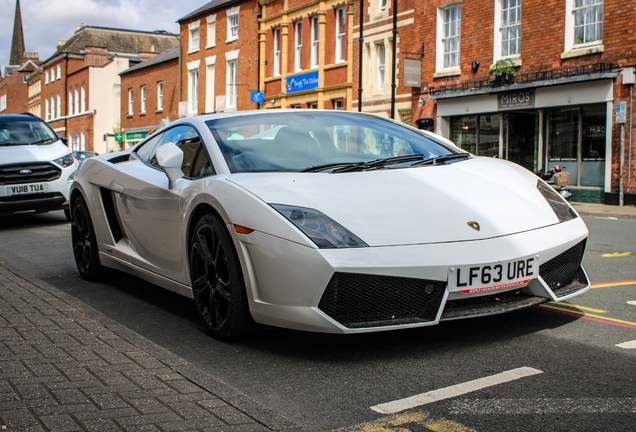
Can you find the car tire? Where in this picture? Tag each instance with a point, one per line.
(84, 242)
(217, 281)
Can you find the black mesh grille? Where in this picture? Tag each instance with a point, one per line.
(562, 270)
(28, 173)
(357, 300)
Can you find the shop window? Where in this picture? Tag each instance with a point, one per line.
(478, 135)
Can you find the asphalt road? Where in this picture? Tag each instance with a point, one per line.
(572, 374)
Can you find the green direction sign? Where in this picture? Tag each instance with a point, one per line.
(119, 137)
(135, 136)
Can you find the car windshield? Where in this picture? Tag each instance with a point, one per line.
(25, 132)
(321, 141)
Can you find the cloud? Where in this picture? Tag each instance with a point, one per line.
(46, 21)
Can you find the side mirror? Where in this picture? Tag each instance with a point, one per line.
(170, 157)
(64, 140)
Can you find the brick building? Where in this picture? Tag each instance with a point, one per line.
(150, 96)
(306, 54)
(14, 90)
(219, 57)
(573, 67)
(81, 89)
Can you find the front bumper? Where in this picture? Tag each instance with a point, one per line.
(383, 288)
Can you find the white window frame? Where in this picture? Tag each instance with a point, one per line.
(193, 87)
(83, 100)
(442, 27)
(160, 96)
(499, 29)
(77, 101)
(143, 99)
(59, 72)
(211, 34)
(338, 104)
(47, 109)
(194, 37)
(46, 77)
(570, 27)
(277, 43)
(231, 80)
(70, 102)
(382, 5)
(381, 66)
(232, 24)
(315, 42)
(130, 101)
(3, 102)
(59, 106)
(298, 44)
(341, 27)
(82, 141)
(210, 78)
(52, 108)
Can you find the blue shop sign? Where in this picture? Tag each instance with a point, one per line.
(308, 81)
(257, 97)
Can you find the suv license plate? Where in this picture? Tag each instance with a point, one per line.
(26, 189)
(495, 276)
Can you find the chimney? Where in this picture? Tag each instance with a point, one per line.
(60, 42)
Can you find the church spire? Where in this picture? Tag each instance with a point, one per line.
(17, 45)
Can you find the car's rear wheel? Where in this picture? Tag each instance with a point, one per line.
(217, 281)
(84, 242)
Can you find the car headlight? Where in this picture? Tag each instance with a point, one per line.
(65, 161)
(560, 206)
(322, 230)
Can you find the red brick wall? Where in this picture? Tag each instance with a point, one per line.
(17, 93)
(166, 72)
(247, 43)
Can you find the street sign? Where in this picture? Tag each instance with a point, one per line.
(257, 97)
(621, 112)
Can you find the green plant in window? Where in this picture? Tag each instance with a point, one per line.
(503, 68)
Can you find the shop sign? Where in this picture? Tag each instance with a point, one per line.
(119, 137)
(308, 81)
(257, 97)
(412, 73)
(515, 100)
(595, 131)
(136, 136)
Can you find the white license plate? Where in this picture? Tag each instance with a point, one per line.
(26, 189)
(494, 276)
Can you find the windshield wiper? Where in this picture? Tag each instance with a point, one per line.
(324, 167)
(379, 163)
(41, 141)
(441, 160)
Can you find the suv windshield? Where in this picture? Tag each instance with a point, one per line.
(24, 131)
(321, 142)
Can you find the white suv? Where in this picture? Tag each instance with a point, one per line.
(36, 166)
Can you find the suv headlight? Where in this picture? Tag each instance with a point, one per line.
(322, 230)
(560, 206)
(65, 161)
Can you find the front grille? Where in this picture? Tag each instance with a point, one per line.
(39, 172)
(357, 300)
(563, 270)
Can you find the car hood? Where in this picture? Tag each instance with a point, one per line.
(428, 204)
(33, 153)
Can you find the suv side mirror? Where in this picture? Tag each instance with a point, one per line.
(170, 158)
(64, 140)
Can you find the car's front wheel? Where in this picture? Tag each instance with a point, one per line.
(84, 242)
(217, 281)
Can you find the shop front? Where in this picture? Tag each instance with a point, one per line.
(538, 128)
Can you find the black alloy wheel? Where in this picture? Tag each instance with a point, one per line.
(84, 242)
(217, 281)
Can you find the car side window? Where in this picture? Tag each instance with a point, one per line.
(187, 139)
(202, 166)
(147, 150)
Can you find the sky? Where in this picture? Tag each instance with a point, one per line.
(46, 21)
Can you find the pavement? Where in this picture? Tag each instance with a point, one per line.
(66, 367)
(605, 211)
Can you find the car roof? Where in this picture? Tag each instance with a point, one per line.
(14, 117)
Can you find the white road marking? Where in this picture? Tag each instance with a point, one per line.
(454, 391)
(632, 302)
(545, 406)
(628, 345)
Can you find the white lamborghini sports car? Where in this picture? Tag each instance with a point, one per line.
(325, 221)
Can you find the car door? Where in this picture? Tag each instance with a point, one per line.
(152, 214)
